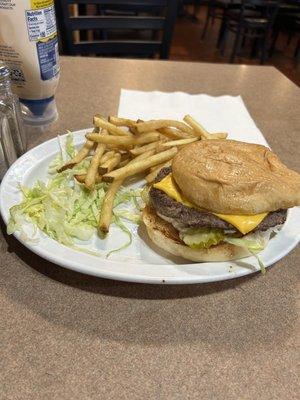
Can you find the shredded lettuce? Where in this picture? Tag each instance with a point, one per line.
(202, 238)
(124, 228)
(55, 164)
(65, 210)
(254, 243)
(70, 148)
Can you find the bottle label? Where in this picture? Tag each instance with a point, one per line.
(40, 23)
(41, 26)
(37, 4)
(48, 58)
(29, 46)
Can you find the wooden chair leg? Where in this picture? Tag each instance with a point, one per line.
(254, 48)
(244, 38)
(236, 45)
(213, 15)
(273, 42)
(263, 50)
(297, 49)
(289, 38)
(223, 41)
(221, 31)
(206, 23)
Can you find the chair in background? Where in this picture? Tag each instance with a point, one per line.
(123, 16)
(216, 10)
(287, 22)
(190, 8)
(253, 20)
(297, 49)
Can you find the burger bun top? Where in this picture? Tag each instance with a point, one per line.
(232, 177)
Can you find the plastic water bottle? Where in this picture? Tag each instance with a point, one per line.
(29, 47)
(12, 135)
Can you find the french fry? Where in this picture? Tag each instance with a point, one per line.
(147, 138)
(82, 153)
(199, 131)
(124, 154)
(172, 133)
(107, 156)
(112, 129)
(160, 166)
(122, 122)
(152, 175)
(149, 126)
(81, 178)
(142, 156)
(124, 162)
(126, 142)
(180, 142)
(218, 135)
(107, 206)
(121, 141)
(140, 165)
(113, 147)
(133, 130)
(95, 161)
(139, 150)
(163, 138)
(153, 172)
(110, 164)
(125, 159)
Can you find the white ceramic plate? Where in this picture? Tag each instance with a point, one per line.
(140, 262)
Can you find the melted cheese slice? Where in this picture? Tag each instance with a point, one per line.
(244, 223)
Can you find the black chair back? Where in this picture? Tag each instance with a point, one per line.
(268, 8)
(156, 16)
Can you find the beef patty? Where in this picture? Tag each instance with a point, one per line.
(190, 217)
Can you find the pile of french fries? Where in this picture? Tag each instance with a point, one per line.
(120, 148)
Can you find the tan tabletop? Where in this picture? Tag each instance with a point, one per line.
(69, 336)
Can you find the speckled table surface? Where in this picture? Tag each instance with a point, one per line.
(64, 335)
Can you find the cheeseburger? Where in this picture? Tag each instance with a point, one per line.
(220, 200)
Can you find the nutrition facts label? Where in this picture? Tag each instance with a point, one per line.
(40, 23)
(48, 58)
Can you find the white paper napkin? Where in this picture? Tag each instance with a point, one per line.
(216, 114)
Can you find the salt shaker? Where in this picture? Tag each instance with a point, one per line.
(12, 134)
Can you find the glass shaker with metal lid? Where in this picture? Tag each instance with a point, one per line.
(12, 134)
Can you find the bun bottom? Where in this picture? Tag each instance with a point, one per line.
(165, 236)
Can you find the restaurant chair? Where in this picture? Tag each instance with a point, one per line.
(130, 19)
(190, 8)
(216, 10)
(297, 49)
(287, 22)
(253, 20)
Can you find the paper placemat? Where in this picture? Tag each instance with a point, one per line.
(216, 114)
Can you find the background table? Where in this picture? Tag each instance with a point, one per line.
(64, 335)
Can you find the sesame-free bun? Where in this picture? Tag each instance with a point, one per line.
(165, 236)
(231, 177)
